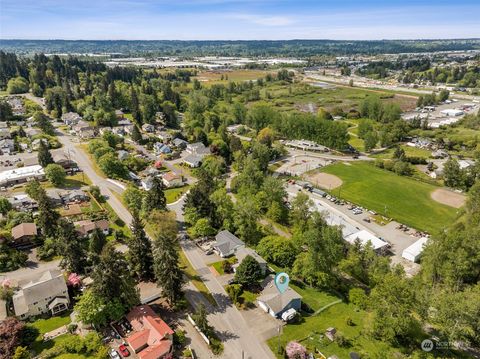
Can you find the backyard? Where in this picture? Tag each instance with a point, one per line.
(401, 198)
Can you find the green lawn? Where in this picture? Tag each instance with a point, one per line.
(218, 265)
(409, 151)
(314, 298)
(310, 329)
(47, 325)
(173, 194)
(406, 200)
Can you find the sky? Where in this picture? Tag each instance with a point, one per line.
(239, 19)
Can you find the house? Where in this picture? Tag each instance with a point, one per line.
(76, 196)
(161, 148)
(24, 233)
(440, 154)
(36, 143)
(4, 133)
(193, 161)
(23, 203)
(83, 130)
(54, 196)
(48, 294)
(30, 132)
(151, 337)
(148, 128)
(61, 158)
(172, 179)
(119, 114)
(464, 164)
(226, 244)
(276, 303)
(147, 183)
(122, 154)
(365, 237)
(414, 251)
(71, 118)
(242, 252)
(3, 125)
(197, 148)
(86, 227)
(118, 130)
(179, 143)
(164, 136)
(21, 175)
(124, 122)
(7, 146)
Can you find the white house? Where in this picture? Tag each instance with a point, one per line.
(193, 161)
(47, 294)
(197, 148)
(243, 252)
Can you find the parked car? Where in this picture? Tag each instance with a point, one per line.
(357, 211)
(124, 351)
(113, 354)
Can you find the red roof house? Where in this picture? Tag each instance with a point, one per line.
(151, 337)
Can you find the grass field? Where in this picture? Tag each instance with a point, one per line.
(406, 200)
(304, 97)
(235, 75)
(409, 152)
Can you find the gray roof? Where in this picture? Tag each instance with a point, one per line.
(193, 159)
(242, 252)
(275, 300)
(226, 242)
(50, 284)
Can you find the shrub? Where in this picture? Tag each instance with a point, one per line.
(358, 297)
(179, 337)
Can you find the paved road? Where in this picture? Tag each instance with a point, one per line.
(226, 318)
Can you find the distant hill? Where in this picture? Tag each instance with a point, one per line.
(290, 48)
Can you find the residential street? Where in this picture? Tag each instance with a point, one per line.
(226, 318)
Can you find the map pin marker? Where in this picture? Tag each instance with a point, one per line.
(281, 282)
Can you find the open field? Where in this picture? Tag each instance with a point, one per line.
(404, 199)
(310, 333)
(450, 198)
(409, 152)
(234, 75)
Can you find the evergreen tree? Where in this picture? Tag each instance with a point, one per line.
(166, 268)
(155, 197)
(136, 135)
(96, 242)
(140, 250)
(47, 218)
(112, 280)
(70, 246)
(136, 113)
(44, 155)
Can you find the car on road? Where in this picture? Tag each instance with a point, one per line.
(357, 211)
(124, 351)
(113, 354)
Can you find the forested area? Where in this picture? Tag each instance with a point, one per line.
(298, 48)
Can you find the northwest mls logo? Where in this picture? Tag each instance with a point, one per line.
(427, 345)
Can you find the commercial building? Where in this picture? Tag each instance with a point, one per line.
(414, 252)
(21, 175)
